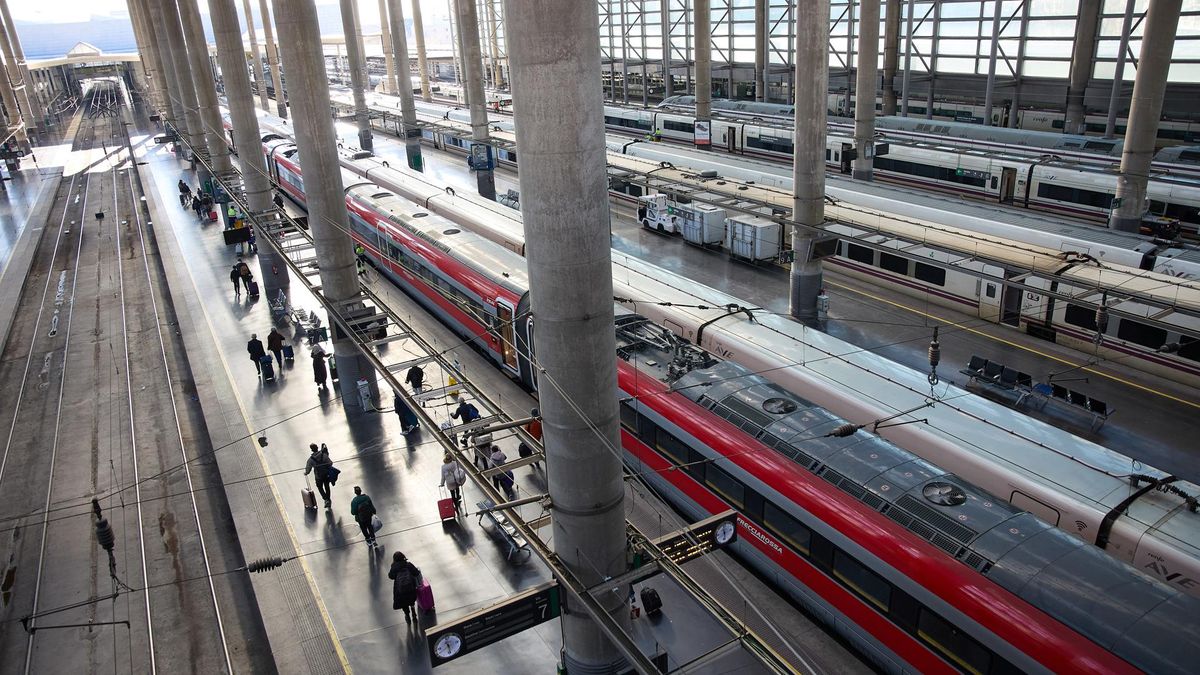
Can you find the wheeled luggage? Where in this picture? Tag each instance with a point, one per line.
(446, 507)
(289, 353)
(212, 216)
(253, 290)
(651, 603)
(310, 499)
(425, 596)
(268, 370)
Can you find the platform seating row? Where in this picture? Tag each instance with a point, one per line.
(1000, 376)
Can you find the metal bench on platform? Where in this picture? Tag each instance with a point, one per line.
(502, 530)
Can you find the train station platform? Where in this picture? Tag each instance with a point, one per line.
(329, 608)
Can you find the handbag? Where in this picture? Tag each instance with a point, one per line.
(460, 474)
(331, 474)
(376, 523)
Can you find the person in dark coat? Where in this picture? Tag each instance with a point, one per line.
(236, 277)
(255, 347)
(408, 420)
(275, 345)
(465, 412)
(320, 373)
(185, 193)
(405, 579)
(415, 378)
(362, 509)
(196, 205)
(319, 464)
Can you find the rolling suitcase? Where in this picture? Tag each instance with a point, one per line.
(425, 596)
(212, 216)
(446, 510)
(253, 290)
(268, 370)
(310, 499)
(289, 353)
(651, 601)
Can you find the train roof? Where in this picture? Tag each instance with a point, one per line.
(1143, 621)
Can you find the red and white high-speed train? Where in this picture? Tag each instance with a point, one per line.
(920, 569)
(1070, 482)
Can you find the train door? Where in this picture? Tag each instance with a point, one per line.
(1008, 184)
(507, 334)
(1010, 303)
(990, 292)
(731, 140)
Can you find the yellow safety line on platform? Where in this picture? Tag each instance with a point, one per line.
(1010, 343)
(266, 471)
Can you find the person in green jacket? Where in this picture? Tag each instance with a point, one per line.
(363, 509)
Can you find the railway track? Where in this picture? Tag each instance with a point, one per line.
(94, 415)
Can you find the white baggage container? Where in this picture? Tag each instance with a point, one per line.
(701, 223)
(752, 237)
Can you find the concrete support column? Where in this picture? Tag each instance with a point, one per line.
(907, 85)
(205, 83)
(13, 110)
(422, 61)
(175, 108)
(665, 26)
(389, 82)
(358, 72)
(808, 168)
(148, 52)
(702, 20)
(468, 33)
(761, 55)
(990, 89)
(15, 89)
(864, 105)
(408, 107)
(273, 59)
(1110, 126)
(256, 57)
(494, 45)
(25, 92)
(554, 52)
(1082, 61)
(257, 183)
(300, 38)
(891, 49)
(177, 46)
(1145, 111)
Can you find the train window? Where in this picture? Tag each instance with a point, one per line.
(869, 585)
(893, 263)
(860, 254)
(1141, 334)
(1101, 200)
(1189, 348)
(1189, 156)
(960, 648)
(670, 446)
(725, 485)
(995, 182)
(1078, 316)
(686, 127)
(782, 145)
(930, 274)
(629, 418)
(786, 527)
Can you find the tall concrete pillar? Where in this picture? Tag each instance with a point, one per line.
(908, 40)
(422, 61)
(1083, 58)
(358, 72)
(177, 46)
(468, 31)
(891, 49)
(1110, 126)
(761, 54)
(257, 184)
(385, 35)
(989, 91)
(273, 59)
(175, 107)
(12, 82)
(25, 92)
(494, 44)
(15, 118)
(665, 27)
(300, 38)
(256, 57)
(204, 82)
(702, 20)
(808, 168)
(864, 105)
(1145, 110)
(554, 52)
(148, 53)
(408, 107)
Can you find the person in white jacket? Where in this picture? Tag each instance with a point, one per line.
(453, 477)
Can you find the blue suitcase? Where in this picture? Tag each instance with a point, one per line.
(289, 354)
(268, 370)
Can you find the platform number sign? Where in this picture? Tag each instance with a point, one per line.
(489, 625)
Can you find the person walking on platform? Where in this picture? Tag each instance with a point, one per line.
(196, 205)
(505, 479)
(320, 373)
(275, 345)
(245, 273)
(465, 412)
(534, 426)
(405, 579)
(236, 277)
(408, 419)
(320, 465)
(185, 193)
(277, 200)
(415, 378)
(453, 478)
(362, 508)
(255, 347)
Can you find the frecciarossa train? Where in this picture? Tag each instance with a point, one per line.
(921, 571)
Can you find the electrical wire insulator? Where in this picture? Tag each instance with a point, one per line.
(935, 357)
(104, 535)
(844, 431)
(1101, 319)
(265, 564)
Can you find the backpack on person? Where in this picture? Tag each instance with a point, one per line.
(243, 269)
(405, 579)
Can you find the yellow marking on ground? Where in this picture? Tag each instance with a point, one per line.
(1052, 357)
(266, 470)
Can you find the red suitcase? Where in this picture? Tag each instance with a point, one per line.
(446, 508)
(425, 596)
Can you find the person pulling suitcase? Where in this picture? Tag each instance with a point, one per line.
(257, 351)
